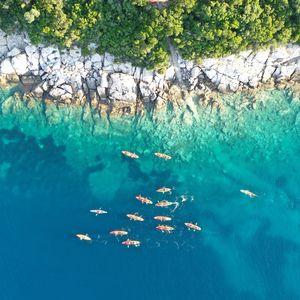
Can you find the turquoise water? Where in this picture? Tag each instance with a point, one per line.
(56, 163)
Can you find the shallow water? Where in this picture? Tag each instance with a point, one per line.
(57, 163)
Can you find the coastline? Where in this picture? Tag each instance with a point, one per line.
(67, 77)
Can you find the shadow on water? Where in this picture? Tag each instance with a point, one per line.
(134, 168)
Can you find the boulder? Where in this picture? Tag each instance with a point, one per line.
(267, 74)
(148, 91)
(189, 65)
(88, 65)
(31, 50)
(6, 67)
(108, 63)
(147, 76)
(57, 92)
(287, 71)
(137, 73)
(13, 52)
(170, 73)
(196, 71)
(104, 80)
(97, 61)
(3, 51)
(20, 64)
(211, 74)
(16, 41)
(122, 87)
(261, 56)
(234, 85)
(75, 53)
(3, 41)
(125, 68)
(101, 92)
(47, 51)
(67, 88)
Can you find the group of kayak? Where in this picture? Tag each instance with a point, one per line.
(145, 200)
(138, 218)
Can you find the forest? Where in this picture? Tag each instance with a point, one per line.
(139, 31)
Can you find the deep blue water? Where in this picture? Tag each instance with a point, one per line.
(56, 164)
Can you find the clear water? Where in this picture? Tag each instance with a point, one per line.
(57, 163)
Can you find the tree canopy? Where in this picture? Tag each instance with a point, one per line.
(137, 31)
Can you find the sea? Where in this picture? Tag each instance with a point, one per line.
(59, 162)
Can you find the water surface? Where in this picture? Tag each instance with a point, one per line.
(56, 163)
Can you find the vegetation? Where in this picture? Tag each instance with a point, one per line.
(137, 31)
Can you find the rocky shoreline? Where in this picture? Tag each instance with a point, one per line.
(68, 77)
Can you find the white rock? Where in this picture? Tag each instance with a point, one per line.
(170, 73)
(20, 64)
(104, 80)
(148, 91)
(253, 82)
(38, 91)
(88, 65)
(108, 62)
(43, 64)
(293, 50)
(3, 41)
(223, 69)
(75, 53)
(3, 51)
(66, 59)
(79, 65)
(122, 87)
(67, 88)
(46, 51)
(210, 62)
(57, 92)
(223, 83)
(211, 74)
(56, 65)
(45, 86)
(125, 68)
(278, 54)
(101, 92)
(189, 65)
(31, 50)
(196, 71)
(6, 67)
(147, 76)
(277, 72)
(96, 58)
(53, 57)
(244, 55)
(33, 62)
(16, 41)
(287, 71)
(137, 73)
(261, 56)
(234, 85)
(269, 70)
(13, 52)
(222, 87)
